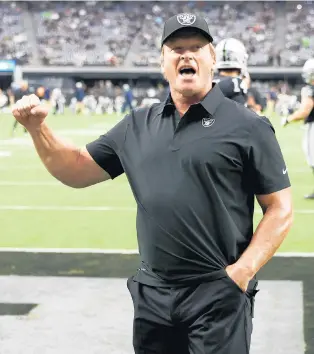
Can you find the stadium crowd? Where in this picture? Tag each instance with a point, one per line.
(299, 37)
(128, 33)
(13, 40)
(252, 23)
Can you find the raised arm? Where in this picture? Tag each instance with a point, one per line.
(70, 165)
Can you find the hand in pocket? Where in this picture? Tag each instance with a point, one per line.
(238, 276)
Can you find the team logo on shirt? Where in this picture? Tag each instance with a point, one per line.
(208, 122)
(186, 19)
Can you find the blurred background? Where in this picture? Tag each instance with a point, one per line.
(92, 62)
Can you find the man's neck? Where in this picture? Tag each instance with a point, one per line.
(229, 73)
(183, 103)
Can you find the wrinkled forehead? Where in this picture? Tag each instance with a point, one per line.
(186, 34)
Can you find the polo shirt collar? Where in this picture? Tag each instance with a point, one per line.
(166, 105)
(210, 102)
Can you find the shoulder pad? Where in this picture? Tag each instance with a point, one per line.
(307, 91)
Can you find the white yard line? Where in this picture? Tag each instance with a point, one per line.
(42, 167)
(300, 170)
(30, 183)
(99, 208)
(5, 153)
(120, 251)
(24, 167)
(65, 208)
(14, 142)
(81, 132)
(297, 211)
(109, 184)
(69, 250)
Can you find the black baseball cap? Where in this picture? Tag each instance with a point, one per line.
(185, 20)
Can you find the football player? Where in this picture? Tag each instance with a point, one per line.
(231, 64)
(305, 113)
(20, 90)
(79, 95)
(57, 101)
(256, 101)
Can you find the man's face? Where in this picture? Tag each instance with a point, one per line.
(187, 64)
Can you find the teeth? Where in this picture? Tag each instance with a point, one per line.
(187, 74)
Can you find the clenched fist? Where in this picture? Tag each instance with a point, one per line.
(29, 112)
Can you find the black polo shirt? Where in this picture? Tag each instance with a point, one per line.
(194, 182)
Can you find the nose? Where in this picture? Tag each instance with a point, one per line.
(185, 56)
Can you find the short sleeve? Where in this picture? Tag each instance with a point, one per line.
(268, 170)
(307, 91)
(227, 87)
(106, 150)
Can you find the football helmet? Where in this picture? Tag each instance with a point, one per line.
(231, 54)
(308, 71)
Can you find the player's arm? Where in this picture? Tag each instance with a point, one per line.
(306, 106)
(269, 181)
(246, 80)
(270, 233)
(70, 165)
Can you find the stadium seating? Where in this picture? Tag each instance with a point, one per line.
(128, 33)
(84, 33)
(13, 40)
(253, 23)
(299, 38)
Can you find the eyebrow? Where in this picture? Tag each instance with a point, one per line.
(174, 45)
(199, 39)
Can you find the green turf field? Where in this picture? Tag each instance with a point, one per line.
(37, 211)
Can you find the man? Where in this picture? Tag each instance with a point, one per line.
(79, 96)
(17, 94)
(109, 97)
(233, 77)
(256, 101)
(194, 163)
(3, 100)
(128, 98)
(305, 113)
(272, 99)
(57, 101)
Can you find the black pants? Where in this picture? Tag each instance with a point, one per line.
(210, 318)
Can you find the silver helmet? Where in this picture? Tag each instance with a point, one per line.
(231, 54)
(308, 71)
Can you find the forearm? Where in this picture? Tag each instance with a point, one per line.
(297, 116)
(60, 158)
(267, 238)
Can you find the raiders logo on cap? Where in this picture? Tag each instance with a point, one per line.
(186, 19)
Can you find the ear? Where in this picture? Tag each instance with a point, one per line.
(162, 67)
(212, 52)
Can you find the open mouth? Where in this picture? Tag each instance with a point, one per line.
(187, 71)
